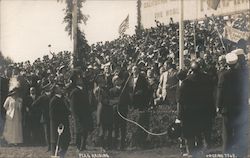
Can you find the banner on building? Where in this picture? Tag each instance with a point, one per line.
(163, 10)
(235, 35)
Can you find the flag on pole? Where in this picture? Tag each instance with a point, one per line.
(124, 25)
(213, 4)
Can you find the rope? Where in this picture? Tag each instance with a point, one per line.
(137, 124)
(134, 122)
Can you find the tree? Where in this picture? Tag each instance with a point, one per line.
(83, 48)
(4, 61)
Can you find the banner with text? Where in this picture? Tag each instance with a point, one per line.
(235, 35)
(162, 10)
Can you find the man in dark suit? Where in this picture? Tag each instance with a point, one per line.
(42, 103)
(108, 76)
(138, 89)
(59, 114)
(31, 119)
(4, 86)
(197, 109)
(81, 111)
(232, 103)
(119, 99)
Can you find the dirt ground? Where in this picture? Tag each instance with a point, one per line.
(40, 152)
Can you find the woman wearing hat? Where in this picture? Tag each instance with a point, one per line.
(13, 132)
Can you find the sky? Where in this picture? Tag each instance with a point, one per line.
(27, 27)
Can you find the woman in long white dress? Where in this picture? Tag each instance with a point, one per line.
(13, 132)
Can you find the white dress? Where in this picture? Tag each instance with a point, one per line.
(13, 132)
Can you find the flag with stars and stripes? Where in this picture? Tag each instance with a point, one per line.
(124, 26)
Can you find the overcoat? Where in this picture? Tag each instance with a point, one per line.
(197, 108)
(81, 109)
(140, 90)
(232, 100)
(59, 114)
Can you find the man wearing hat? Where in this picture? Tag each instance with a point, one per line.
(42, 103)
(119, 99)
(168, 83)
(59, 114)
(197, 109)
(138, 89)
(81, 111)
(31, 119)
(232, 103)
(108, 76)
(3, 95)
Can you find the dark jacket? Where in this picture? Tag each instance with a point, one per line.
(139, 101)
(4, 86)
(81, 109)
(59, 114)
(108, 80)
(232, 92)
(197, 107)
(43, 103)
(31, 112)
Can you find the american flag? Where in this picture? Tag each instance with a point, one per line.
(124, 26)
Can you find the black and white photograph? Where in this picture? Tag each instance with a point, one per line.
(124, 78)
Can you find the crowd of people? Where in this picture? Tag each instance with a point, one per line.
(138, 72)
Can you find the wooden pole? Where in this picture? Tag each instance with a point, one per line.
(195, 22)
(181, 42)
(181, 36)
(139, 16)
(74, 33)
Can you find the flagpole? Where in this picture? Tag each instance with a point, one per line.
(139, 15)
(74, 32)
(195, 38)
(220, 36)
(195, 21)
(181, 42)
(181, 36)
